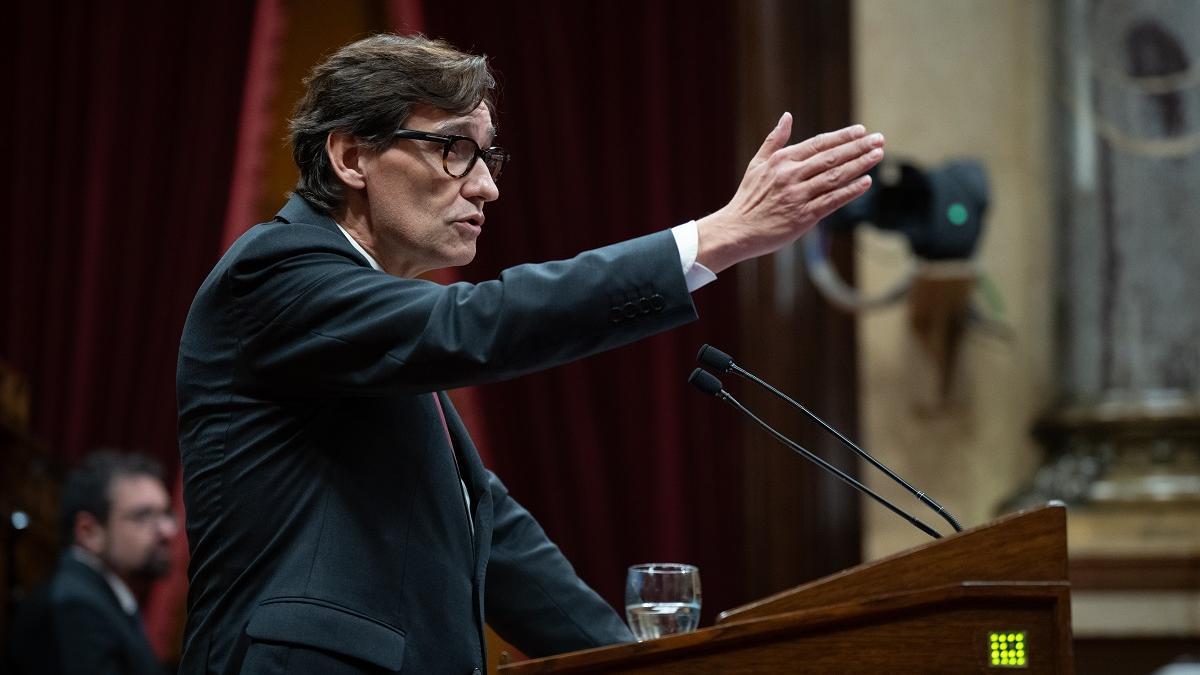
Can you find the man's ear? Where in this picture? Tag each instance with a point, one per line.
(345, 156)
(90, 533)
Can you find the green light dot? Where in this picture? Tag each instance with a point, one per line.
(1020, 660)
(1012, 637)
(957, 214)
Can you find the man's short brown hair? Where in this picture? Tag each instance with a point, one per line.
(368, 89)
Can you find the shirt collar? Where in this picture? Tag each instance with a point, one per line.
(119, 589)
(370, 261)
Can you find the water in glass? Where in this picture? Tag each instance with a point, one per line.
(662, 599)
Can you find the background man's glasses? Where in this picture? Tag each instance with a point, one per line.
(148, 516)
(459, 153)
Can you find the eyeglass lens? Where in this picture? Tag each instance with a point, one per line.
(461, 156)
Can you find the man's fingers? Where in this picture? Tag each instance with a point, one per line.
(832, 201)
(841, 174)
(775, 140)
(832, 159)
(821, 142)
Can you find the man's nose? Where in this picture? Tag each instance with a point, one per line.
(479, 183)
(168, 527)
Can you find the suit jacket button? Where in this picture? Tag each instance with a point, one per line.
(630, 310)
(657, 302)
(616, 315)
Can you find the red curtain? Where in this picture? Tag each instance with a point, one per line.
(119, 142)
(620, 117)
(119, 155)
(254, 122)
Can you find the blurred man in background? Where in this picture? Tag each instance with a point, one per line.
(117, 527)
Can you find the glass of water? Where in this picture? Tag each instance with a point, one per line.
(662, 599)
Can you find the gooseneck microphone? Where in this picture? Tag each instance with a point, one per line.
(720, 361)
(709, 384)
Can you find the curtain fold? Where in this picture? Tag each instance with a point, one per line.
(255, 121)
(122, 152)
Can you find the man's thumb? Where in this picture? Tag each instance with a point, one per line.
(776, 139)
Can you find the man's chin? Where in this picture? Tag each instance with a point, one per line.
(435, 267)
(462, 256)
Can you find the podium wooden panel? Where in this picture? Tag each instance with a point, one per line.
(929, 609)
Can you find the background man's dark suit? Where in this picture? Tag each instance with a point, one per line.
(76, 626)
(324, 509)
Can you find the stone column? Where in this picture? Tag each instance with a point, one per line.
(1128, 300)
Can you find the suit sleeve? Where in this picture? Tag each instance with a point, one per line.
(313, 320)
(532, 596)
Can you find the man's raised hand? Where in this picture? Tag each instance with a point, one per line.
(786, 190)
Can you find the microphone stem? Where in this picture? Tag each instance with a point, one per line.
(925, 499)
(846, 478)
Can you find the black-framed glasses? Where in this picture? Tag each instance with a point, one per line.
(146, 516)
(459, 153)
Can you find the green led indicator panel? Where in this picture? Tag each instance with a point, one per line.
(957, 214)
(1008, 649)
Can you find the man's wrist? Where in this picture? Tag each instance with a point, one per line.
(718, 246)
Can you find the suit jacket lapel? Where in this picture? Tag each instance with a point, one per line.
(99, 586)
(474, 475)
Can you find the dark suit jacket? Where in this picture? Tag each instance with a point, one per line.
(79, 628)
(323, 505)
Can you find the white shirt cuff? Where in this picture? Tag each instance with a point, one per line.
(687, 240)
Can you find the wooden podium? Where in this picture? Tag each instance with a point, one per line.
(991, 599)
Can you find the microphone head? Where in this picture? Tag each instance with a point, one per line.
(715, 358)
(705, 382)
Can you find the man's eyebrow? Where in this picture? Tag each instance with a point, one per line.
(463, 128)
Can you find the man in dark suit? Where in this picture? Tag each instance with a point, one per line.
(339, 517)
(117, 525)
